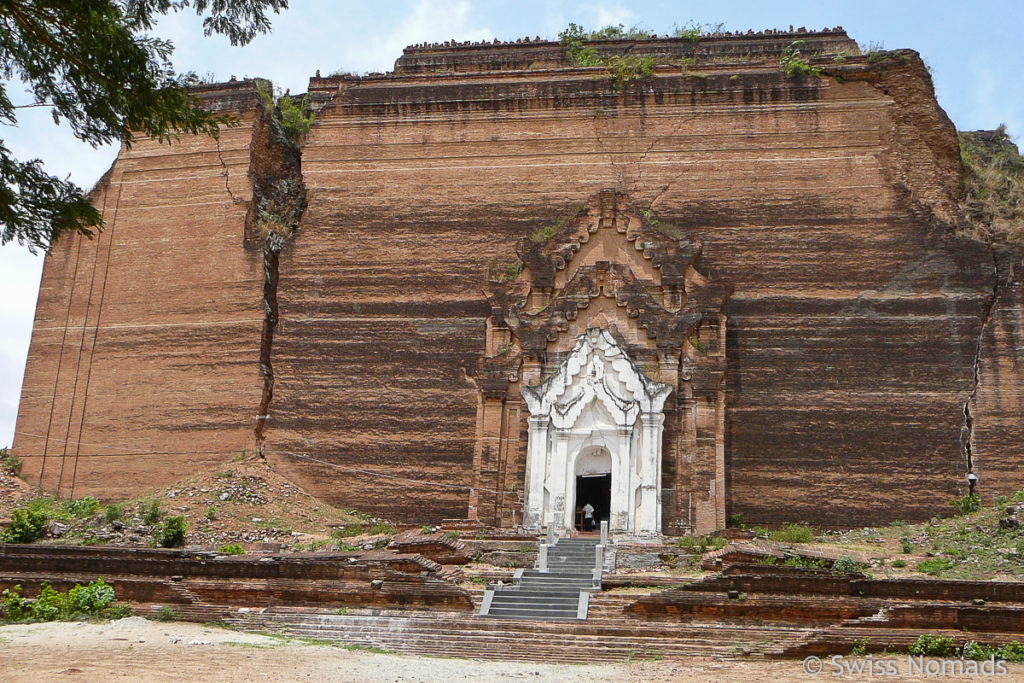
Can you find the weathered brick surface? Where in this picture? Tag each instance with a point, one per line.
(141, 367)
(852, 330)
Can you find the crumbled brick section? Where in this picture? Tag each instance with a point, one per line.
(752, 553)
(190, 578)
(436, 546)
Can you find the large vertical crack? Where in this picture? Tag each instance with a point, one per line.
(224, 172)
(271, 314)
(278, 203)
(967, 429)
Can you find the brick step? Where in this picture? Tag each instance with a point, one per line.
(630, 629)
(838, 638)
(495, 637)
(458, 644)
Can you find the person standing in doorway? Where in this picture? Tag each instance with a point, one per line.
(588, 517)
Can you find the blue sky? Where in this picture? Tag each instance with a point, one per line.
(974, 50)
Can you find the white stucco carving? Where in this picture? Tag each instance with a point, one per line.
(596, 411)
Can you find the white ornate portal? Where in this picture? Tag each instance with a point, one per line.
(596, 411)
(565, 415)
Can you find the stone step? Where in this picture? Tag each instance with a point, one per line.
(536, 573)
(548, 603)
(556, 581)
(586, 560)
(571, 594)
(532, 612)
(539, 592)
(536, 596)
(571, 551)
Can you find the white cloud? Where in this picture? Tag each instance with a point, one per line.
(428, 21)
(613, 15)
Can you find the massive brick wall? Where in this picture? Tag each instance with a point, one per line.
(853, 331)
(141, 366)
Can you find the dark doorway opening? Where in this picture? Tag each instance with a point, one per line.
(595, 489)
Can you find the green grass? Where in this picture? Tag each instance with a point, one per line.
(935, 565)
(363, 529)
(700, 544)
(792, 533)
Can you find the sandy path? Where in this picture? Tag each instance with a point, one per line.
(139, 650)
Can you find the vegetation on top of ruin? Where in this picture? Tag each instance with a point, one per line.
(292, 120)
(279, 197)
(993, 185)
(694, 30)
(622, 70)
(793, 63)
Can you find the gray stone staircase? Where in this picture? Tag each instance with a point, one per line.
(559, 591)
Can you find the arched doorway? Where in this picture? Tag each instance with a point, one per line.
(596, 401)
(593, 485)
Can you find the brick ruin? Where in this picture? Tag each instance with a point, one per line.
(780, 252)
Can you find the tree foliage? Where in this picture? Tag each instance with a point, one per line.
(95, 66)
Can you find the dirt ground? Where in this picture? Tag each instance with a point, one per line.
(135, 649)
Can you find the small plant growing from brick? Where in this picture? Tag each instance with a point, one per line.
(793, 64)
(232, 549)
